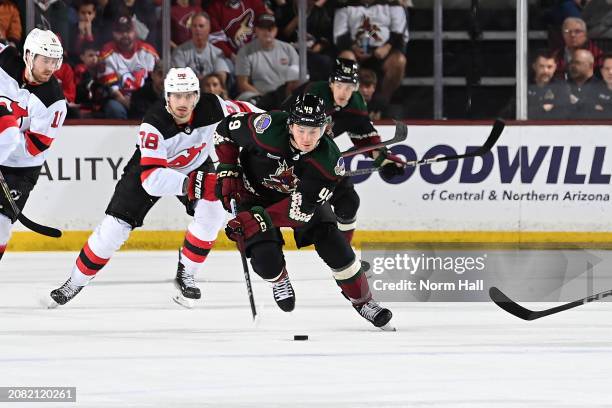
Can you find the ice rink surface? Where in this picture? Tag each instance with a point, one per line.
(123, 343)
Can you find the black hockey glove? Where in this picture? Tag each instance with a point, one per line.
(230, 185)
(390, 165)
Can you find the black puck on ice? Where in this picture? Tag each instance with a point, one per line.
(300, 337)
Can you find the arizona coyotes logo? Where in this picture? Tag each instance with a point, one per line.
(368, 29)
(283, 180)
(186, 20)
(185, 157)
(240, 29)
(12, 106)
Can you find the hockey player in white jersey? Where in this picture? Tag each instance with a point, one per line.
(172, 159)
(32, 111)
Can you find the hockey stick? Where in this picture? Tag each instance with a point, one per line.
(29, 224)
(401, 132)
(496, 132)
(245, 266)
(519, 311)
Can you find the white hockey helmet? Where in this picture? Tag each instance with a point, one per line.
(42, 42)
(181, 80)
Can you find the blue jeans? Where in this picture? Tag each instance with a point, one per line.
(113, 109)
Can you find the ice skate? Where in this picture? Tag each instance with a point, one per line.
(377, 315)
(283, 293)
(187, 289)
(64, 294)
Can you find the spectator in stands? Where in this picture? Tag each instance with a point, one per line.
(367, 88)
(142, 13)
(90, 94)
(232, 23)
(554, 17)
(10, 23)
(603, 103)
(582, 85)
(198, 54)
(150, 94)
(319, 35)
(546, 98)
(55, 15)
(181, 15)
(267, 69)
(575, 37)
(127, 62)
(88, 29)
(375, 34)
(212, 83)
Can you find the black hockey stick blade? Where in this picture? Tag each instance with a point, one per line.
(38, 228)
(401, 133)
(519, 311)
(28, 223)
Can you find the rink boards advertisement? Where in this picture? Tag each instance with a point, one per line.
(537, 178)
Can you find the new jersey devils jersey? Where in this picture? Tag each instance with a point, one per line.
(169, 152)
(39, 110)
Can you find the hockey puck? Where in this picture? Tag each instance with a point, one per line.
(300, 337)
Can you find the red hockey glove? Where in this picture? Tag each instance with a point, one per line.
(201, 185)
(390, 164)
(248, 223)
(230, 185)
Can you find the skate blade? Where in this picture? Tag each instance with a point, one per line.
(49, 304)
(181, 300)
(388, 327)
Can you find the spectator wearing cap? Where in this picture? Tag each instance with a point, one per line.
(150, 94)
(127, 63)
(232, 23)
(198, 54)
(574, 31)
(267, 69)
(375, 35)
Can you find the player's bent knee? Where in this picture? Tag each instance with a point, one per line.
(110, 235)
(267, 259)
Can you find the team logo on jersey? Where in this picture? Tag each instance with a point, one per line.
(12, 106)
(185, 157)
(283, 180)
(262, 122)
(339, 169)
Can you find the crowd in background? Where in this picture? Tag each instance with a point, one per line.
(247, 50)
(240, 49)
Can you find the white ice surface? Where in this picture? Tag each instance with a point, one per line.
(123, 343)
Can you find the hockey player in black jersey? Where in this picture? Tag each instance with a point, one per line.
(282, 170)
(349, 113)
(32, 111)
(175, 140)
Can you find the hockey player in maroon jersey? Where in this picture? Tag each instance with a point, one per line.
(172, 159)
(282, 170)
(32, 111)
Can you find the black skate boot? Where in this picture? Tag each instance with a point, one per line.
(376, 314)
(64, 294)
(283, 293)
(185, 283)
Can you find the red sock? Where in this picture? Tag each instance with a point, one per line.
(88, 262)
(356, 289)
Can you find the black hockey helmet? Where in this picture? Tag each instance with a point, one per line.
(345, 70)
(308, 110)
